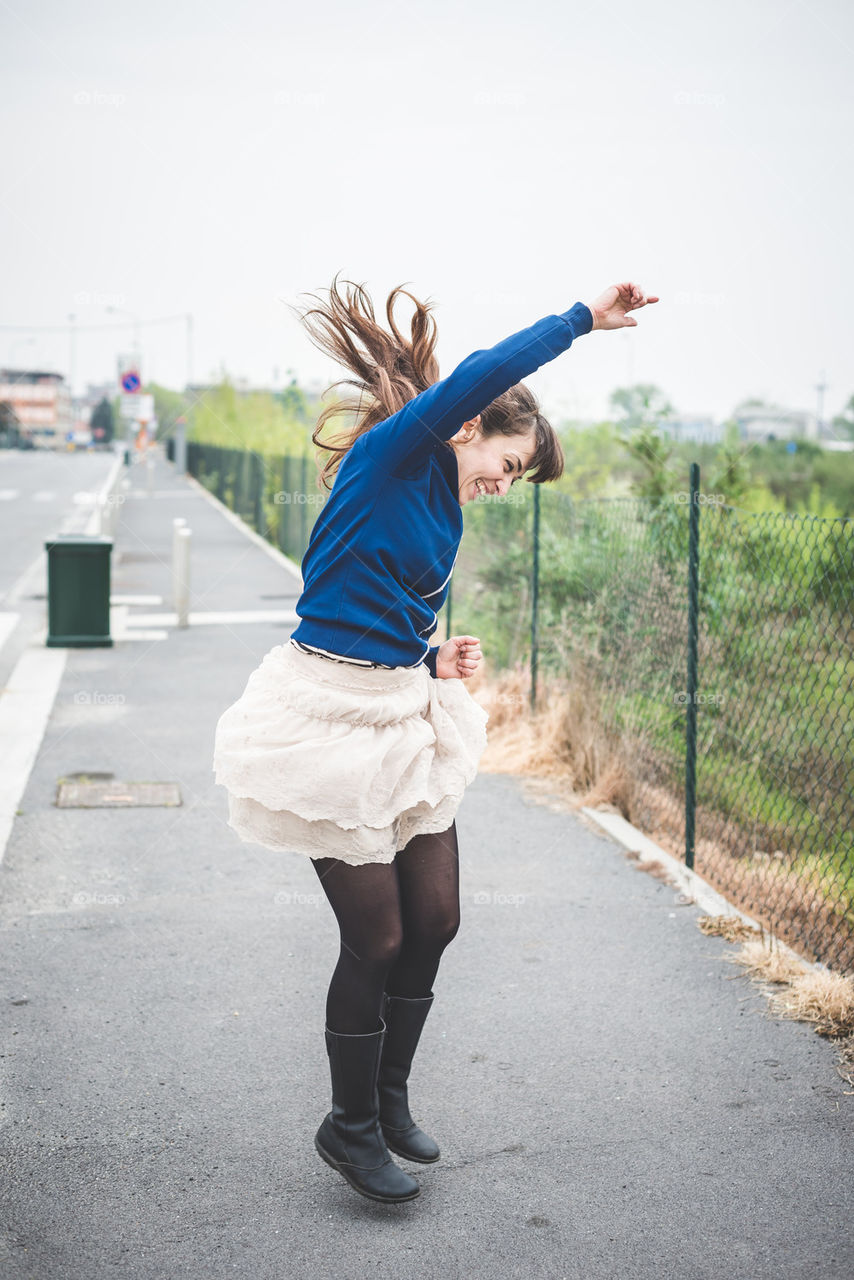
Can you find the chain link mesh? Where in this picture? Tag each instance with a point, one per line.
(775, 691)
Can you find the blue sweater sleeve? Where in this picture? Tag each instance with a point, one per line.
(403, 442)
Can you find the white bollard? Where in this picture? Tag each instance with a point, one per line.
(182, 576)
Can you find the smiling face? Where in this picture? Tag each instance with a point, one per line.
(489, 465)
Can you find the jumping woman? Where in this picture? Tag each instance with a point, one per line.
(353, 743)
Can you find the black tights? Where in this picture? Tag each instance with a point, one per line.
(396, 918)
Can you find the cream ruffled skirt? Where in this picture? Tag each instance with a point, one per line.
(334, 760)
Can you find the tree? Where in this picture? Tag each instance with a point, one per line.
(10, 427)
(644, 404)
(294, 403)
(730, 473)
(102, 422)
(843, 423)
(652, 452)
(169, 406)
(641, 409)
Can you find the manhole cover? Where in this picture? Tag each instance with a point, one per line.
(116, 795)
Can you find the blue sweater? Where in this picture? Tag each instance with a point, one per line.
(383, 548)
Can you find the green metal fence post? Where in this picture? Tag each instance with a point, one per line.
(691, 674)
(535, 595)
(219, 460)
(259, 478)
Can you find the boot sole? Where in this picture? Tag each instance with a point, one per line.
(369, 1195)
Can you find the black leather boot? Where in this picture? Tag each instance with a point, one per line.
(404, 1022)
(350, 1138)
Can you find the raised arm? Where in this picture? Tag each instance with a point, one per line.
(403, 442)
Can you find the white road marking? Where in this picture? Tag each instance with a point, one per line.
(25, 707)
(8, 622)
(6, 495)
(224, 618)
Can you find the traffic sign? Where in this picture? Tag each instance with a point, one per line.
(131, 382)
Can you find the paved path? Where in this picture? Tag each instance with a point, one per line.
(610, 1098)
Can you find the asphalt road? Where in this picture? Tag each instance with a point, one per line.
(42, 493)
(610, 1097)
(39, 490)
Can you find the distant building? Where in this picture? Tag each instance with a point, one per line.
(764, 423)
(41, 403)
(697, 430)
(98, 391)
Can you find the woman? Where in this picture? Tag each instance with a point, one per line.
(354, 742)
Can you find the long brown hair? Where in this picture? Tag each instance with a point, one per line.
(390, 369)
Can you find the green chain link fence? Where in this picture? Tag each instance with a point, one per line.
(712, 648)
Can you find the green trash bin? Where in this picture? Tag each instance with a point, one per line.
(78, 591)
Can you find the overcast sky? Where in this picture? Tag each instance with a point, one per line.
(505, 159)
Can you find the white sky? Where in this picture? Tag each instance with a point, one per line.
(506, 159)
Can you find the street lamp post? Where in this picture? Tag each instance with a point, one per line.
(189, 320)
(135, 318)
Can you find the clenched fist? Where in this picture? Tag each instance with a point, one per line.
(458, 658)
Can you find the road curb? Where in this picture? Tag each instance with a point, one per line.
(709, 900)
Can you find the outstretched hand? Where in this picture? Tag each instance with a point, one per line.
(458, 658)
(611, 307)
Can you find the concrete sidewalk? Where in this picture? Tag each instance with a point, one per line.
(609, 1096)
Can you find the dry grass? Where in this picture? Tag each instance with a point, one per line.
(817, 996)
(563, 741)
(763, 960)
(826, 999)
(730, 928)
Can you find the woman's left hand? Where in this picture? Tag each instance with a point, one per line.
(458, 658)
